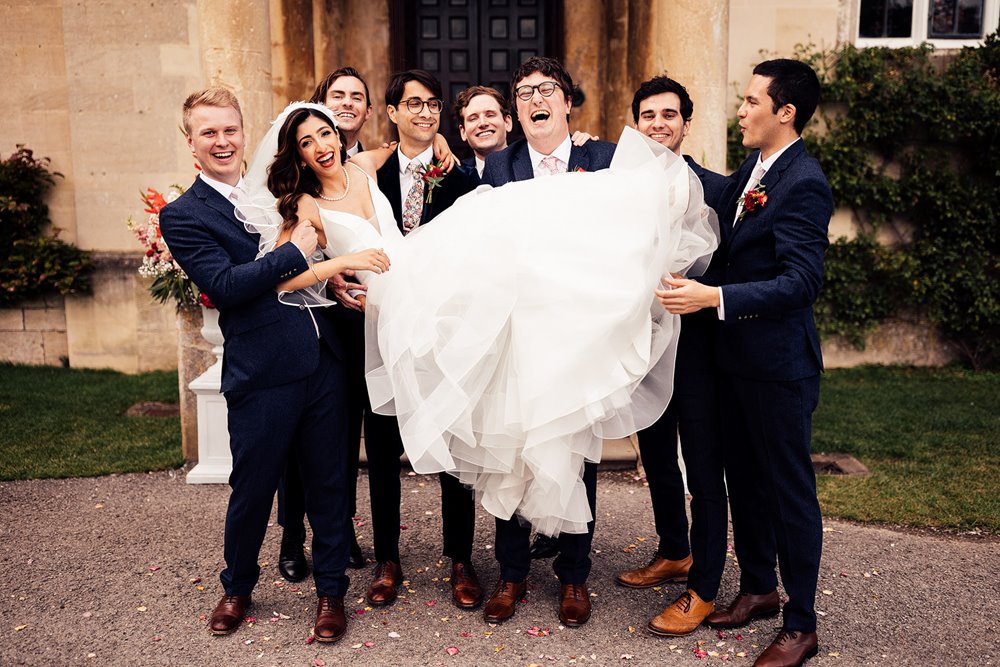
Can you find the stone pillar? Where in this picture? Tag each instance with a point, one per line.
(690, 42)
(235, 38)
(585, 40)
(292, 52)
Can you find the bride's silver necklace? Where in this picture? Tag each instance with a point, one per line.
(347, 186)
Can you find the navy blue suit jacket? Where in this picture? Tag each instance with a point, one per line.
(514, 162)
(267, 343)
(460, 180)
(771, 271)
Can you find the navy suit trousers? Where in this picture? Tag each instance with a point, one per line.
(572, 565)
(693, 410)
(305, 417)
(772, 489)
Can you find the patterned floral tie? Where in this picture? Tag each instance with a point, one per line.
(553, 165)
(414, 205)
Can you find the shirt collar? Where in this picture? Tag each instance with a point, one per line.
(562, 152)
(769, 162)
(424, 158)
(354, 150)
(223, 189)
(480, 165)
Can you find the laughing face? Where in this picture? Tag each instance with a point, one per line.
(346, 97)
(319, 145)
(545, 120)
(216, 140)
(418, 128)
(484, 127)
(660, 119)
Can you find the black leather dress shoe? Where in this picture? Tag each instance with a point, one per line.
(292, 558)
(544, 546)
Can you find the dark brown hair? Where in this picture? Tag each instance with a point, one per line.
(544, 65)
(287, 178)
(394, 89)
(319, 95)
(466, 96)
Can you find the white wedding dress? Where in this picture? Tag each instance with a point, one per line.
(519, 329)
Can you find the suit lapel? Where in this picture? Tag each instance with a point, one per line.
(388, 183)
(579, 158)
(521, 164)
(215, 201)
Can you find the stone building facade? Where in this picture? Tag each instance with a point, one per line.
(97, 87)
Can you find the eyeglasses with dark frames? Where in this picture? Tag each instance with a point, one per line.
(545, 89)
(416, 105)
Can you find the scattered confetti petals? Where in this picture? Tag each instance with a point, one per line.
(154, 568)
(451, 650)
(356, 645)
(834, 654)
(20, 627)
(827, 591)
(141, 608)
(369, 644)
(310, 639)
(157, 638)
(195, 580)
(319, 662)
(394, 635)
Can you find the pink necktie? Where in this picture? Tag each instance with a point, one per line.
(553, 165)
(414, 205)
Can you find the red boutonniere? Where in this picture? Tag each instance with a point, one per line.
(753, 200)
(432, 175)
(580, 170)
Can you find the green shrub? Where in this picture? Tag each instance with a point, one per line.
(33, 263)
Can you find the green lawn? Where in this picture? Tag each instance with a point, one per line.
(931, 438)
(57, 422)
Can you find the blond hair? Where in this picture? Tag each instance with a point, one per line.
(213, 97)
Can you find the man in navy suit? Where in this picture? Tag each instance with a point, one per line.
(483, 122)
(775, 236)
(542, 90)
(414, 104)
(662, 110)
(282, 373)
(345, 92)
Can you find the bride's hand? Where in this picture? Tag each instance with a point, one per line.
(373, 259)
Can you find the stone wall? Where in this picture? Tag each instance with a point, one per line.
(34, 332)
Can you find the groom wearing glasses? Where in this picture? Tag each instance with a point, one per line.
(414, 104)
(542, 92)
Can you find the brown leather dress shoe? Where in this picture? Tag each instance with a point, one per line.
(331, 624)
(466, 592)
(229, 613)
(502, 603)
(682, 617)
(387, 578)
(658, 571)
(744, 609)
(789, 649)
(574, 606)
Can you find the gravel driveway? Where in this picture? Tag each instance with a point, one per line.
(123, 570)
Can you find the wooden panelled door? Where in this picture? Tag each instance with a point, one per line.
(469, 42)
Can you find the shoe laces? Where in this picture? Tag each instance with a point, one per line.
(785, 634)
(328, 603)
(504, 587)
(577, 591)
(684, 602)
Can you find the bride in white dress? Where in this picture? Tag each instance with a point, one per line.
(520, 329)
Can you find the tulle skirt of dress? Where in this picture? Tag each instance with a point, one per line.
(519, 329)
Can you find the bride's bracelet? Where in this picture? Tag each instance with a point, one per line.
(312, 267)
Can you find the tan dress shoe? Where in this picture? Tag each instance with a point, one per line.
(789, 649)
(466, 592)
(744, 609)
(387, 578)
(574, 606)
(658, 571)
(229, 613)
(682, 617)
(502, 603)
(331, 624)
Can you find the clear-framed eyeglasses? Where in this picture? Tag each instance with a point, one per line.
(545, 89)
(416, 105)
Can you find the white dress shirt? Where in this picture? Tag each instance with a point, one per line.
(562, 152)
(224, 189)
(480, 165)
(750, 184)
(354, 150)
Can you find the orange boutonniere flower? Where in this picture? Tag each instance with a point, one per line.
(753, 200)
(432, 175)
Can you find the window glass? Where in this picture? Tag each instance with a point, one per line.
(886, 18)
(955, 19)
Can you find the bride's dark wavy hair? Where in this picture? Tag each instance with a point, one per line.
(287, 178)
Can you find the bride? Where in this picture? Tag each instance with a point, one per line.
(520, 329)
